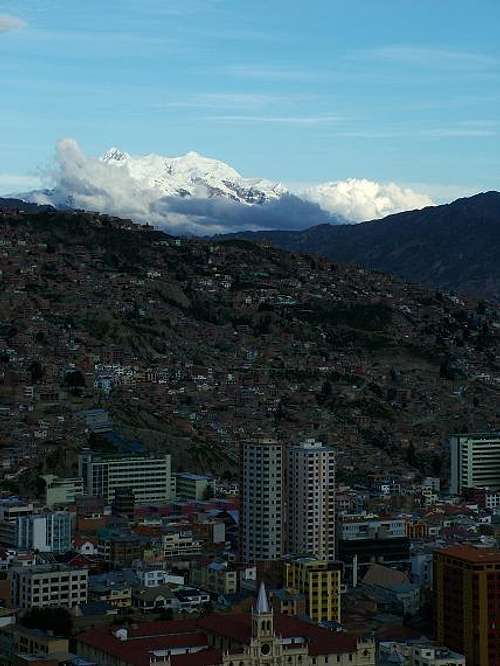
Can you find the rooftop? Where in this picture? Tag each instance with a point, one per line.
(238, 627)
(468, 553)
(48, 568)
(193, 477)
(145, 638)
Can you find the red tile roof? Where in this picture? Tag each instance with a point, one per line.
(321, 641)
(468, 553)
(167, 628)
(148, 636)
(136, 649)
(209, 657)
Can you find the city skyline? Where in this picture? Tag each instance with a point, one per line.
(250, 333)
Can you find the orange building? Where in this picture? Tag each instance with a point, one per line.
(467, 602)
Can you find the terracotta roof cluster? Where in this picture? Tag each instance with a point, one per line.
(144, 638)
(238, 627)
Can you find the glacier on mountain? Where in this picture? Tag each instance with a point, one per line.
(195, 194)
(194, 175)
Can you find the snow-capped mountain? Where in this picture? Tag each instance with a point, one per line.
(195, 194)
(193, 175)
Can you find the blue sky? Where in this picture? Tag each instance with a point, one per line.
(391, 90)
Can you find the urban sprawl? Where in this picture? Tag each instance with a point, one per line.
(237, 541)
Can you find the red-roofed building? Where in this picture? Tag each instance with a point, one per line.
(170, 643)
(85, 545)
(247, 639)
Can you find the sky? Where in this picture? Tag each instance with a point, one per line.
(393, 91)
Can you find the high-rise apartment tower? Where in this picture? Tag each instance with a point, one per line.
(311, 500)
(261, 511)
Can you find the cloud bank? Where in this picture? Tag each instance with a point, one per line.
(9, 23)
(86, 182)
(361, 199)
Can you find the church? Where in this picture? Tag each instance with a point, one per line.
(259, 638)
(263, 638)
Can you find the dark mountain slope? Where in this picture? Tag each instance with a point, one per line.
(193, 345)
(453, 247)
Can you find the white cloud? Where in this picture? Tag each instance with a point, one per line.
(9, 23)
(86, 182)
(361, 199)
(278, 120)
(444, 192)
(428, 56)
(231, 101)
(458, 132)
(464, 130)
(273, 72)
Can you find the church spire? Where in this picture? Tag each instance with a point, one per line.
(262, 605)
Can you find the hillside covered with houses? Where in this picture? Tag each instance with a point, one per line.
(188, 346)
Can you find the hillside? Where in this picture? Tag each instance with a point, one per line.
(192, 345)
(453, 247)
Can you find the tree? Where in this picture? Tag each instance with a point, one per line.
(37, 372)
(437, 464)
(58, 620)
(74, 379)
(166, 615)
(326, 389)
(208, 493)
(411, 457)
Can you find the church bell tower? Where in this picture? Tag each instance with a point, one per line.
(262, 617)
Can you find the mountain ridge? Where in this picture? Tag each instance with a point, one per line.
(452, 246)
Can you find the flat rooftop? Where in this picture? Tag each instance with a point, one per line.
(471, 554)
(193, 477)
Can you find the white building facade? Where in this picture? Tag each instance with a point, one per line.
(46, 532)
(311, 500)
(261, 512)
(148, 476)
(475, 461)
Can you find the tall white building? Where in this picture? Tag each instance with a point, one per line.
(46, 532)
(311, 500)
(261, 511)
(149, 477)
(475, 461)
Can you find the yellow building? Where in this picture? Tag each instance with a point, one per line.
(118, 595)
(416, 529)
(285, 602)
(215, 577)
(19, 643)
(319, 581)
